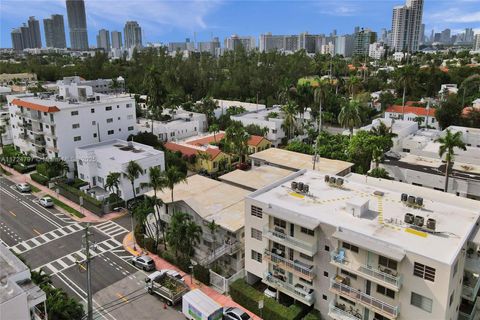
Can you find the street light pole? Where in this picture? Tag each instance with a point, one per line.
(88, 259)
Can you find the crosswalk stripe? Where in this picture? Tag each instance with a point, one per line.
(63, 264)
(118, 233)
(35, 241)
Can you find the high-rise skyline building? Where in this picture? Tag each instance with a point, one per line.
(116, 39)
(344, 45)
(103, 40)
(476, 42)
(77, 23)
(132, 33)
(25, 31)
(17, 41)
(235, 41)
(54, 28)
(362, 40)
(406, 25)
(34, 30)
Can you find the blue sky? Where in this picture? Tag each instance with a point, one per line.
(164, 21)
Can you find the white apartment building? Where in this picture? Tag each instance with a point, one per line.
(96, 161)
(365, 248)
(235, 42)
(20, 299)
(183, 124)
(223, 105)
(410, 112)
(50, 126)
(376, 50)
(5, 123)
(264, 119)
(98, 86)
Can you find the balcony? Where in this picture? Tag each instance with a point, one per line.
(468, 311)
(19, 112)
(21, 124)
(52, 148)
(471, 284)
(35, 116)
(339, 313)
(221, 250)
(364, 299)
(24, 136)
(50, 134)
(298, 291)
(381, 277)
(294, 266)
(39, 142)
(308, 248)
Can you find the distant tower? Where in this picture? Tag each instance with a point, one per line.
(54, 28)
(116, 39)
(77, 23)
(17, 41)
(34, 29)
(406, 25)
(103, 40)
(133, 35)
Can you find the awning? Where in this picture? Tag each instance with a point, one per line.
(371, 244)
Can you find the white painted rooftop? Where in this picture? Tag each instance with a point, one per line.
(455, 217)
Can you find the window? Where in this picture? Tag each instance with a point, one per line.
(110, 132)
(306, 257)
(346, 300)
(92, 110)
(94, 123)
(256, 234)
(307, 231)
(130, 117)
(350, 247)
(348, 274)
(75, 126)
(256, 256)
(80, 162)
(423, 271)
(82, 176)
(118, 118)
(74, 113)
(385, 291)
(386, 262)
(422, 302)
(256, 211)
(325, 274)
(279, 223)
(129, 105)
(130, 128)
(77, 138)
(94, 135)
(451, 298)
(109, 108)
(324, 297)
(100, 179)
(109, 120)
(379, 317)
(327, 248)
(455, 268)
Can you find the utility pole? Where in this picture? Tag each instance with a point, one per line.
(88, 259)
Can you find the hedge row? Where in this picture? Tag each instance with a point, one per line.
(248, 297)
(23, 169)
(313, 315)
(202, 274)
(79, 193)
(39, 178)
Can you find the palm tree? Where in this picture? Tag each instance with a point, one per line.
(405, 78)
(157, 183)
(176, 232)
(112, 182)
(352, 84)
(448, 143)
(155, 91)
(319, 96)
(236, 140)
(214, 128)
(349, 116)
(193, 233)
(56, 167)
(133, 171)
(171, 177)
(213, 227)
(289, 121)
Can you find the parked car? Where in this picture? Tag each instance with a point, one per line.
(144, 262)
(232, 313)
(270, 292)
(172, 273)
(46, 202)
(23, 187)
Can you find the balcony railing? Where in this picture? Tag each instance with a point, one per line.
(383, 278)
(471, 285)
(50, 134)
(339, 314)
(290, 265)
(368, 301)
(297, 291)
(221, 250)
(309, 248)
(52, 148)
(39, 142)
(468, 311)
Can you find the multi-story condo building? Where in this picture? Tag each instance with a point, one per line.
(269, 42)
(364, 248)
(17, 39)
(54, 31)
(344, 45)
(235, 41)
(406, 25)
(476, 42)
(98, 86)
(77, 22)
(96, 161)
(211, 47)
(362, 40)
(103, 40)
(376, 50)
(53, 125)
(116, 39)
(20, 299)
(34, 29)
(181, 46)
(133, 35)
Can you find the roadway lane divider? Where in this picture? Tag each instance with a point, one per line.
(45, 238)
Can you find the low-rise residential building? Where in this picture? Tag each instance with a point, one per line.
(20, 298)
(105, 86)
(295, 161)
(6, 134)
(449, 88)
(266, 118)
(424, 116)
(255, 178)
(207, 158)
(376, 51)
(14, 78)
(255, 143)
(207, 200)
(223, 105)
(96, 161)
(357, 247)
(50, 126)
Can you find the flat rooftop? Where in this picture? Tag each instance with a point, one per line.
(121, 151)
(211, 200)
(298, 161)
(256, 178)
(260, 114)
(455, 217)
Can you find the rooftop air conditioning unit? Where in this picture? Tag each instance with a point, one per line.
(419, 201)
(418, 221)
(409, 218)
(300, 186)
(404, 197)
(332, 180)
(327, 178)
(431, 224)
(339, 182)
(411, 200)
(293, 185)
(306, 188)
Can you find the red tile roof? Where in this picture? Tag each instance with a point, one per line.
(189, 151)
(419, 111)
(207, 140)
(255, 140)
(34, 106)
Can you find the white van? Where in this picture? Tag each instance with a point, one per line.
(196, 305)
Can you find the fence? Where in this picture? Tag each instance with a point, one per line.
(221, 283)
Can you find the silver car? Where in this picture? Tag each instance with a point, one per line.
(23, 187)
(232, 313)
(46, 202)
(144, 262)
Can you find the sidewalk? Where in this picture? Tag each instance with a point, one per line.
(128, 243)
(17, 177)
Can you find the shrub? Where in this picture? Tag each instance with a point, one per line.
(23, 169)
(79, 193)
(313, 315)
(139, 233)
(78, 183)
(39, 178)
(202, 274)
(42, 169)
(149, 244)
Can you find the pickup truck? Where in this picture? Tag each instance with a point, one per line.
(166, 286)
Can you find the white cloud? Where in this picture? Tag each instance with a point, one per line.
(338, 8)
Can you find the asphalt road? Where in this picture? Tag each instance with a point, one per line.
(49, 240)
